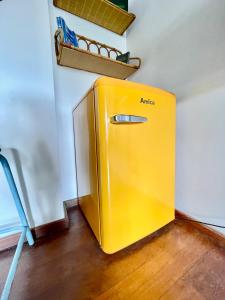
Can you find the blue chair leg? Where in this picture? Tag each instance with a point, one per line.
(26, 232)
(16, 198)
(12, 270)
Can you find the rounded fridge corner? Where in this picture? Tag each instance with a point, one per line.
(108, 250)
(100, 81)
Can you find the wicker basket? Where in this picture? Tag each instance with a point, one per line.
(100, 12)
(83, 59)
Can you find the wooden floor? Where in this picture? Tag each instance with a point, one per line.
(178, 263)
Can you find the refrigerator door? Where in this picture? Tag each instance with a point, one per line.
(136, 157)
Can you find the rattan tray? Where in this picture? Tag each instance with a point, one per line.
(81, 59)
(100, 12)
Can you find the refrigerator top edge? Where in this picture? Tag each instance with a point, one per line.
(109, 81)
(113, 82)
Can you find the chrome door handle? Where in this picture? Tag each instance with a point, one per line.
(127, 119)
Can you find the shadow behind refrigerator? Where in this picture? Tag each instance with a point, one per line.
(125, 160)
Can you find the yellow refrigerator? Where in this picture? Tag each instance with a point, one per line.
(124, 136)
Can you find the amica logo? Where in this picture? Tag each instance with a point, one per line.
(147, 101)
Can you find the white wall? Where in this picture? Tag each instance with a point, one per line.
(70, 87)
(183, 49)
(27, 111)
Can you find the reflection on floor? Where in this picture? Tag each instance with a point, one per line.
(177, 263)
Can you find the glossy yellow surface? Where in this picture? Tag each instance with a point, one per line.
(136, 162)
(125, 172)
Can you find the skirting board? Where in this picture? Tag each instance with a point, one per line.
(71, 203)
(9, 241)
(60, 225)
(38, 232)
(214, 236)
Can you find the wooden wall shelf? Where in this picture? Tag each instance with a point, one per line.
(100, 12)
(81, 59)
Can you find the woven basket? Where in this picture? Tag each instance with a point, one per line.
(100, 12)
(84, 59)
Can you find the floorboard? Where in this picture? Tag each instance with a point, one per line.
(178, 262)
